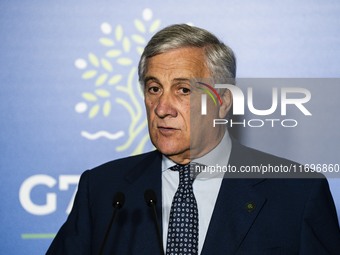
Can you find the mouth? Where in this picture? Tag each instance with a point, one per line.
(166, 131)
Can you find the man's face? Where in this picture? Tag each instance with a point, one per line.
(167, 99)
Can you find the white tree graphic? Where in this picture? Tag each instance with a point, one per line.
(109, 85)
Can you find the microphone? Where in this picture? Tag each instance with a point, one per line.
(117, 203)
(151, 201)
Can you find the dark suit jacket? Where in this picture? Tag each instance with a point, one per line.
(289, 216)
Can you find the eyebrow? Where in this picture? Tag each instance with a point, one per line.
(182, 80)
(176, 80)
(150, 78)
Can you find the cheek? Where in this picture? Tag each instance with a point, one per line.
(150, 115)
(149, 106)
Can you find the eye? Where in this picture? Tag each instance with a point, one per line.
(185, 91)
(154, 90)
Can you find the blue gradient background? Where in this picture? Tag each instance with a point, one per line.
(40, 85)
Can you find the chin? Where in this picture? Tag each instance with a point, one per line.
(170, 149)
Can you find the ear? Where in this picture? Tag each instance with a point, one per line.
(227, 101)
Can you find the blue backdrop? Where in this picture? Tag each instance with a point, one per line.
(70, 98)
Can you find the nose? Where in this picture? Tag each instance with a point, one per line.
(165, 106)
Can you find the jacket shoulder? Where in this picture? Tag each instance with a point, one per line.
(242, 153)
(243, 156)
(123, 165)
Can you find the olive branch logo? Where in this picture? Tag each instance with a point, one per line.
(113, 77)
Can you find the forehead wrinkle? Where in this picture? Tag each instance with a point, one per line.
(172, 77)
(178, 65)
(176, 73)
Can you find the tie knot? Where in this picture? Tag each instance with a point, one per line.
(187, 172)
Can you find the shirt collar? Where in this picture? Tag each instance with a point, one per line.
(219, 156)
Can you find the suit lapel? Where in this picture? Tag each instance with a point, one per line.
(142, 232)
(147, 175)
(235, 211)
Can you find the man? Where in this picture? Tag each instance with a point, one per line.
(199, 213)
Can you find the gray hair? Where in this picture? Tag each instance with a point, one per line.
(220, 59)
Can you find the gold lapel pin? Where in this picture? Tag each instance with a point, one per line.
(250, 207)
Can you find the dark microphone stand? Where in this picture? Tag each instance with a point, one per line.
(151, 201)
(117, 203)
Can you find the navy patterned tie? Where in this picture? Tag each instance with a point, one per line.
(183, 222)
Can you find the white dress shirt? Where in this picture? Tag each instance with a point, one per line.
(206, 188)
